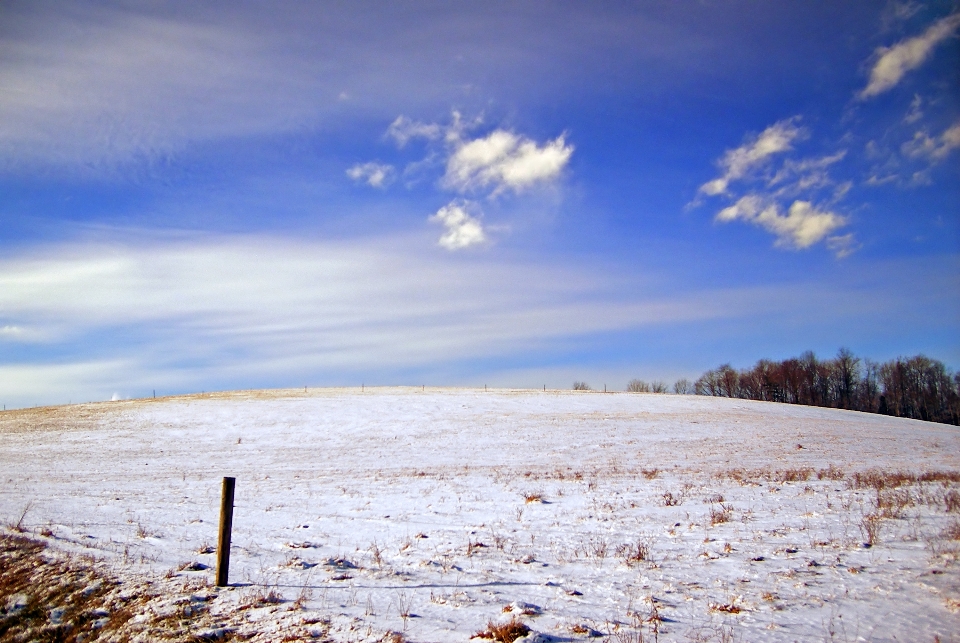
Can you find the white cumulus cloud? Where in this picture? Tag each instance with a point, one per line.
(763, 199)
(894, 62)
(463, 230)
(802, 226)
(738, 162)
(497, 162)
(377, 175)
(503, 160)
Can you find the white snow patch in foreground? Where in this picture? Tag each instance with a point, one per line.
(417, 511)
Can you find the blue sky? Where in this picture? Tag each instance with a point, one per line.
(238, 195)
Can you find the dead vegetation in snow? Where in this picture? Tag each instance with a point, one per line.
(421, 525)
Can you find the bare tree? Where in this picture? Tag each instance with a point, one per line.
(916, 387)
(658, 386)
(707, 384)
(729, 381)
(682, 386)
(581, 386)
(637, 386)
(847, 377)
(868, 394)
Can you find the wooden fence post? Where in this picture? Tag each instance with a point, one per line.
(226, 526)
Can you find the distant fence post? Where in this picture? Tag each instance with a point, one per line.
(226, 526)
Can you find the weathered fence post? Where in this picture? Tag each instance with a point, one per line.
(226, 526)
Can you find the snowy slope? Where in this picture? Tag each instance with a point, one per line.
(417, 511)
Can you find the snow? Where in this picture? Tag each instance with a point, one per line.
(431, 512)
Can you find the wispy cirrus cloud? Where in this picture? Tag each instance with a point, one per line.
(915, 113)
(403, 130)
(270, 311)
(933, 149)
(905, 152)
(739, 162)
(120, 86)
(893, 63)
(102, 87)
(911, 163)
(151, 315)
(796, 176)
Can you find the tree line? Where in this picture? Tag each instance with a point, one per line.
(915, 387)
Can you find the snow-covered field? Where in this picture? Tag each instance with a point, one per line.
(432, 512)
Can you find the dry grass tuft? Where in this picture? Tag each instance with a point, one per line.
(33, 590)
(878, 479)
(794, 475)
(726, 608)
(52, 597)
(951, 501)
(670, 499)
(270, 597)
(261, 598)
(18, 525)
(952, 531)
(503, 632)
(831, 473)
(377, 554)
(473, 546)
(720, 514)
(595, 547)
(633, 553)
(939, 476)
(891, 503)
(870, 528)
